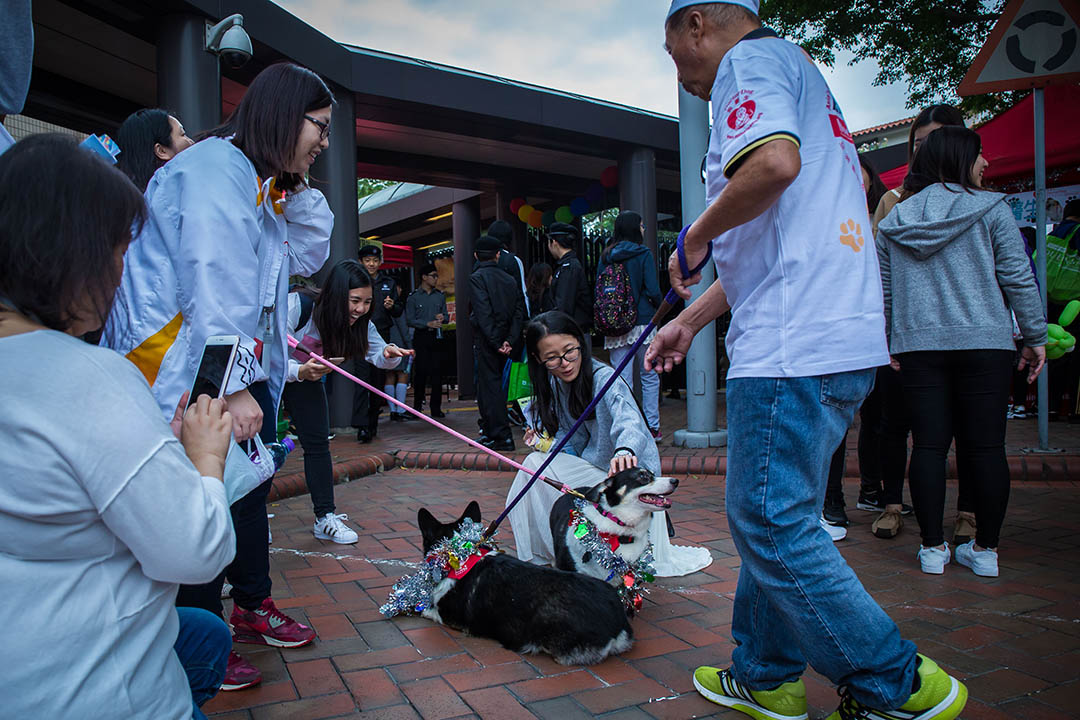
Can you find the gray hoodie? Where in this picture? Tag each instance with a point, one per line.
(952, 265)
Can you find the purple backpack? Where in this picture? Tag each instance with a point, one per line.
(614, 309)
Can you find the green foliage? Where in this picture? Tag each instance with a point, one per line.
(928, 43)
(369, 186)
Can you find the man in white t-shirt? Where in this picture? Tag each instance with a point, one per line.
(791, 241)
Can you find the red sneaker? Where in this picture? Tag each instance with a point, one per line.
(240, 674)
(267, 625)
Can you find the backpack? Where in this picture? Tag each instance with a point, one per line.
(1062, 267)
(614, 309)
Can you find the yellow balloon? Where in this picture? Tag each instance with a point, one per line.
(524, 212)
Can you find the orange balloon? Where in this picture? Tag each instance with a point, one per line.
(535, 219)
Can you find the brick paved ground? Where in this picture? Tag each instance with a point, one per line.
(1015, 640)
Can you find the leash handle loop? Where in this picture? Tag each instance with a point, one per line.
(680, 252)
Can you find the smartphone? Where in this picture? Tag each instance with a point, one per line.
(215, 367)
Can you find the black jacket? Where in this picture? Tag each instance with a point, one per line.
(571, 292)
(497, 310)
(383, 286)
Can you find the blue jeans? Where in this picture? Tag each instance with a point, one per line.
(797, 601)
(203, 646)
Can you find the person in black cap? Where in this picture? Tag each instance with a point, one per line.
(384, 308)
(497, 315)
(508, 261)
(570, 289)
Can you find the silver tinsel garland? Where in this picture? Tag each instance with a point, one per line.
(632, 576)
(411, 595)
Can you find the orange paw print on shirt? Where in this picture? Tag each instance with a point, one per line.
(851, 235)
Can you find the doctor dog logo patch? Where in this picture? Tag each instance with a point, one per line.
(741, 112)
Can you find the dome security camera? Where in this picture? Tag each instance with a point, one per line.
(229, 41)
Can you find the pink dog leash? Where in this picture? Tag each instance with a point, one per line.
(294, 343)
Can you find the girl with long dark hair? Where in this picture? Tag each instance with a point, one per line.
(334, 324)
(627, 246)
(148, 139)
(105, 509)
(927, 121)
(565, 378)
(537, 288)
(231, 218)
(952, 266)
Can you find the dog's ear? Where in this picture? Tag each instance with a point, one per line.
(427, 522)
(472, 511)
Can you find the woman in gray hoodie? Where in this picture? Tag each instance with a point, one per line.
(952, 267)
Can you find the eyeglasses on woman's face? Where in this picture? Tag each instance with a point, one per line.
(324, 128)
(570, 356)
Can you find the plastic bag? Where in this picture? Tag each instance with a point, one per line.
(519, 385)
(241, 475)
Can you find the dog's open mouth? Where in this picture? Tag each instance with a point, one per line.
(660, 501)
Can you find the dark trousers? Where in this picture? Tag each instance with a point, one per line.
(307, 406)
(490, 393)
(249, 572)
(961, 394)
(366, 405)
(427, 368)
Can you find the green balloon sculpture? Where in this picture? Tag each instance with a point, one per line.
(1060, 340)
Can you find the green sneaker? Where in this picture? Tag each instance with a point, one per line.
(940, 697)
(787, 702)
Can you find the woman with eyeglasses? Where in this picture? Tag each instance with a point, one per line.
(230, 219)
(565, 377)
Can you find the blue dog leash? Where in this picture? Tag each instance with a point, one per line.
(665, 307)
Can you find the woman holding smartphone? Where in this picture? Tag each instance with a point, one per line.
(230, 219)
(104, 508)
(335, 324)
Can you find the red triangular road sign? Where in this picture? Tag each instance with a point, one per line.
(1035, 43)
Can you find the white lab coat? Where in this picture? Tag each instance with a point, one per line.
(214, 258)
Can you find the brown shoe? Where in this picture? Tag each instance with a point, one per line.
(964, 529)
(888, 525)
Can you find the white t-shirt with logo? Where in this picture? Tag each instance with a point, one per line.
(802, 278)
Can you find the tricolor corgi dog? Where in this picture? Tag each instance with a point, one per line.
(576, 619)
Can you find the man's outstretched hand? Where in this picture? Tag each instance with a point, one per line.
(669, 347)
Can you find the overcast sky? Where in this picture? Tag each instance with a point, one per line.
(609, 49)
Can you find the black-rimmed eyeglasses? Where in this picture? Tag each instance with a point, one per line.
(569, 356)
(324, 128)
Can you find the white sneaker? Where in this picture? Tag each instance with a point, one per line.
(934, 560)
(331, 527)
(983, 563)
(836, 532)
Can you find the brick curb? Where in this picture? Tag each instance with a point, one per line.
(293, 484)
(1022, 468)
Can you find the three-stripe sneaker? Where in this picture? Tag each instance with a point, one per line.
(939, 697)
(787, 702)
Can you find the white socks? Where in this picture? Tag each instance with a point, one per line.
(402, 389)
(389, 390)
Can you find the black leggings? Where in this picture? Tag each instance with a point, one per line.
(960, 394)
(306, 404)
(249, 572)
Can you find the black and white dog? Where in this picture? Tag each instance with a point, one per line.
(620, 506)
(578, 620)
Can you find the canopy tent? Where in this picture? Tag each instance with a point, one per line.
(397, 256)
(1009, 138)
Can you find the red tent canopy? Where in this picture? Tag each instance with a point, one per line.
(1009, 139)
(395, 256)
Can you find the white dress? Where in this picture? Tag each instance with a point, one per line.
(530, 519)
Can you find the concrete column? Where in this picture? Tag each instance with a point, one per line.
(188, 77)
(466, 230)
(701, 428)
(637, 188)
(334, 174)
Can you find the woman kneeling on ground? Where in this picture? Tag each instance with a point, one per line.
(103, 512)
(565, 378)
